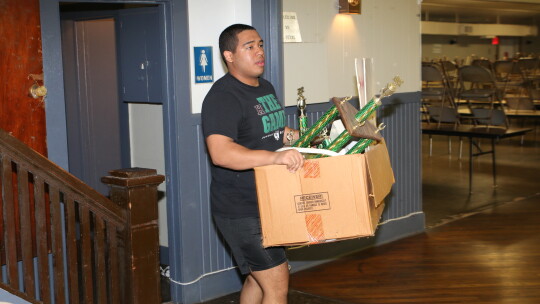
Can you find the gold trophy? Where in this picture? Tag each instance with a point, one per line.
(302, 119)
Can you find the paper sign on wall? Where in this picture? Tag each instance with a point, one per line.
(291, 29)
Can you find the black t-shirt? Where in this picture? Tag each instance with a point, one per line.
(253, 118)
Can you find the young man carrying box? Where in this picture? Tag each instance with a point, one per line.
(243, 124)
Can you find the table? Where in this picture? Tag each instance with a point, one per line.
(507, 112)
(488, 103)
(472, 132)
(519, 114)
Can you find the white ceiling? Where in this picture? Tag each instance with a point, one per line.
(482, 11)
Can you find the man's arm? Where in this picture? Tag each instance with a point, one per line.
(224, 152)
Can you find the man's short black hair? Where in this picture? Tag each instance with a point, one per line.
(229, 38)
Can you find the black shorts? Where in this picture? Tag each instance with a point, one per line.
(243, 235)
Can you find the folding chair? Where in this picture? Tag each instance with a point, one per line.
(478, 84)
(438, 100)
(483, 63)
(450, 71)
(490, 117)
(529, 67)
(510, 78)
(435, 85)
(521, 104)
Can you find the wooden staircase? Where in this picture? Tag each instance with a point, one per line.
(63, 242)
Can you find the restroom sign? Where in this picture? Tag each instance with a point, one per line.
(204, 68)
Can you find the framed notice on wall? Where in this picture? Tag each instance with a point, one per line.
(291, 29)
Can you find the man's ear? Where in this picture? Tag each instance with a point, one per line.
(228, 56)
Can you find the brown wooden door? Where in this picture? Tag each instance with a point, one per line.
(20, 63)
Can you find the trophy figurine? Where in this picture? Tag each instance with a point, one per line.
(306, 138)
(302, 119)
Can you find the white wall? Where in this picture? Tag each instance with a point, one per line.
(148, 151)
(387, 31)
(207, 19)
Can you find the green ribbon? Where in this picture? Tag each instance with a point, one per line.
(306, 138)
(360, 146)
(343, 138)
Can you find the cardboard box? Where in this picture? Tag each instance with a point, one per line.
(329, 199)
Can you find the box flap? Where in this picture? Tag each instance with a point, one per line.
(376, 213)
(380, 172)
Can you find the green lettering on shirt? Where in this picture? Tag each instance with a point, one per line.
(266, 124)
(273, 121)
(272, 100)
(263, 103)
(275, 116)
(269, 103)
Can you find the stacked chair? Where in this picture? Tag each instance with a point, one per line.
(450, 71)
(485, 63)
(518, 89)
(478, 87)
(438, 98)
(530, 67)
(509, 77)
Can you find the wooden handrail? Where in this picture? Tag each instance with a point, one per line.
(107, 250)
(53, 172)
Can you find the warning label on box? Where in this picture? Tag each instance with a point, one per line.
(312, 202)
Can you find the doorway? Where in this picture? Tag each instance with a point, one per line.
(107, 65)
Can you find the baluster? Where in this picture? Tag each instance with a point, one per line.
(57, 246)
(26, 232)
(86, 253)
(41, 239)
(114, 269)
(10, 235)
(99, 249)
(72, 252)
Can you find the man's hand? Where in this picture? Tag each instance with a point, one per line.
(292, 158)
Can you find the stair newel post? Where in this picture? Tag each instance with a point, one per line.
(135, 190)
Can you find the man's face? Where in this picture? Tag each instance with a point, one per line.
(246, 63)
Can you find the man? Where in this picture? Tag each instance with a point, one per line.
(244, 123)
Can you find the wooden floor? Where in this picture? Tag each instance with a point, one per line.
(489, 257)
